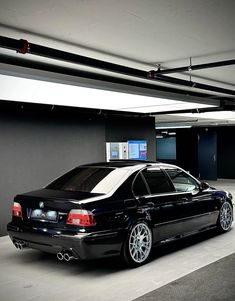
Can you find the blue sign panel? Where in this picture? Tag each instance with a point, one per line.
(137, 149)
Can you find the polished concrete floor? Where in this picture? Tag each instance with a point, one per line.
(32, 275)
(214, 282)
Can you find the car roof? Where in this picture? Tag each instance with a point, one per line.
(122, 163)
(131, 165)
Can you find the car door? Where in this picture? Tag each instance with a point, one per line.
(161, 201)
(198, 208)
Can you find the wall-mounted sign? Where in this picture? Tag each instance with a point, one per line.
(116, 150)
(132, 149)
(137, 149)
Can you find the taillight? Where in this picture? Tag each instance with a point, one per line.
(16, 210)
(79, 217)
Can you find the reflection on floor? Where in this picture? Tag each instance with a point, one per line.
(32, 275)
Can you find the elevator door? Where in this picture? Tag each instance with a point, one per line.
(207, 155)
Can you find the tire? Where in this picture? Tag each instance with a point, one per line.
(138, 245)
(225, 218)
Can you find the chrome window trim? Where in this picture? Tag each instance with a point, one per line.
(166, 194)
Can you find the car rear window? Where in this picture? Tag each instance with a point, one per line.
(157, 181)
(89, 179)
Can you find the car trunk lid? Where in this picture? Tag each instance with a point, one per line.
(50, 207)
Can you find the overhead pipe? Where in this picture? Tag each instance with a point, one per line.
(5, 59)
(192, 84)
(196, 67)
(23, 46)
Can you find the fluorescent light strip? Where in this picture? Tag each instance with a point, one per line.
(36, 91)
(174, 106)
(222, 115)
(173, 127)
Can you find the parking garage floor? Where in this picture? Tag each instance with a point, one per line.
(32, 275)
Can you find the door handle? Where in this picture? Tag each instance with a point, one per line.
(130, 203)
(184, 200)
(150, 204)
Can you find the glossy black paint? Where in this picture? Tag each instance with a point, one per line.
(170, 214)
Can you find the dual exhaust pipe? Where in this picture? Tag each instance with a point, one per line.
(20, 245)
(63, 255)
(67, 256)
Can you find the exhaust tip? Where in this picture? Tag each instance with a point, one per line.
(20, 245)
(60, 256)
(67, 257)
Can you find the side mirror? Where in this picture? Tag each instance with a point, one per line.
(204, 185)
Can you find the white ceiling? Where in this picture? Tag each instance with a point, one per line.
(135, 33)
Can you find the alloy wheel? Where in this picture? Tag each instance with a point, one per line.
(226, 216)
(140, 242)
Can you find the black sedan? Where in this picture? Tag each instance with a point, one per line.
(117, 208)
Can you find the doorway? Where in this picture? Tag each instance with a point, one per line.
(207, 155)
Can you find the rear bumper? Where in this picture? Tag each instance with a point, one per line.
(82, 245)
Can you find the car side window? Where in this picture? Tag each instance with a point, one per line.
(157, 181)
(139, 187)
(182, 181)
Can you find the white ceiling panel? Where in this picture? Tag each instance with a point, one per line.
(36, 91)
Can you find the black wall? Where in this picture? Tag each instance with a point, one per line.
(226, 152)
(39, 143)
(187, 150)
